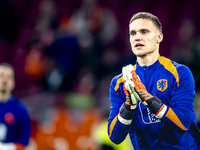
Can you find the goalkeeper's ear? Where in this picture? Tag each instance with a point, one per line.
(160, 38)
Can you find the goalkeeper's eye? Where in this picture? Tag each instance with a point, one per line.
(144, 31)
(132, 33)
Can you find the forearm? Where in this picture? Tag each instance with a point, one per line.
(177, 119)
(117, 131)
(173, 116)
(121, 112)
(119, 122)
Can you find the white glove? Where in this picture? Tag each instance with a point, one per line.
(129, 85)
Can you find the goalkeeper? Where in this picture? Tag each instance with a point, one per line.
(153, 100)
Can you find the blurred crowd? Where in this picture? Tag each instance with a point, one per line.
(66, 52)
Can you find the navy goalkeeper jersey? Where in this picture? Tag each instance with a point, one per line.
(171, 82)
(14, 122)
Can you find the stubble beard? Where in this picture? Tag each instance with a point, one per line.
(144, 54)
(141, 55)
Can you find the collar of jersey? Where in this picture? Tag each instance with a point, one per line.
(152, 67)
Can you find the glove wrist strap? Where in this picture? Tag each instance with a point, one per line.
(126, 113)
(155, 105)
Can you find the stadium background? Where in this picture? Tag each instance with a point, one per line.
(65, 53)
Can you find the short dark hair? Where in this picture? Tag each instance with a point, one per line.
(7, 65)
(149, 16)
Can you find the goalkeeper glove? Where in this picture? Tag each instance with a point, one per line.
(131, 101)
(153, 103)
(131, 95)
(126, 111)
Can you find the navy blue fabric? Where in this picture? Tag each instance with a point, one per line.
(14, 122)
(146, 130)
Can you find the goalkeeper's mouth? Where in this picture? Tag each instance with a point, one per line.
(139, 45)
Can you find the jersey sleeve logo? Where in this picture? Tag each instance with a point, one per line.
(162, 85)
(9, 118)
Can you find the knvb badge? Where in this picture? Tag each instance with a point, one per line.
(162, 85)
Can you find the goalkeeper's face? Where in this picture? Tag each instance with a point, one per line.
(144, 37)
(6, 80)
